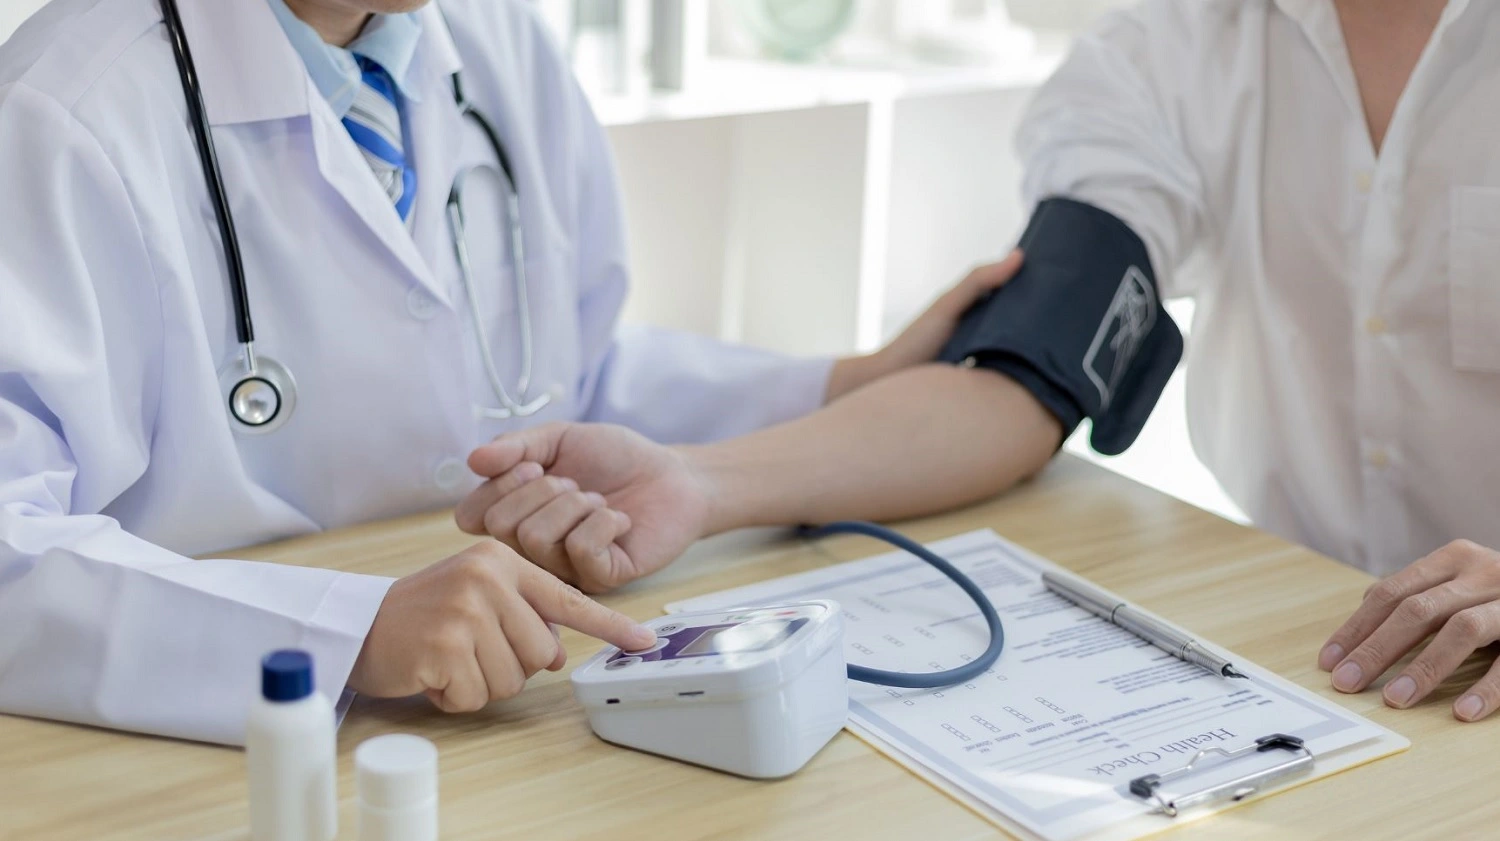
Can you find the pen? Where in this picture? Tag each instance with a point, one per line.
(1116, 612)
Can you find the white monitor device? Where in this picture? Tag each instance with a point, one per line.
(752, 691)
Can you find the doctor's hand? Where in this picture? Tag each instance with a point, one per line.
(924, 338)
(471, 629)
(1452, 595)
(612, 507)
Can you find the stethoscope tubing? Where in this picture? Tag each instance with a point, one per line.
(521, 405)
(208, 157)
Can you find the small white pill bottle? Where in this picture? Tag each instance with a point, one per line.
(398, 788)
(291, 754)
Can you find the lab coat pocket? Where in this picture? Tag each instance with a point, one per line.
(1474, 278)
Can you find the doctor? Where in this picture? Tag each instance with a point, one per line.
(1333, 166)
(237, 304)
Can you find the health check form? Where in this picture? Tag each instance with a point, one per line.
(1047, 741)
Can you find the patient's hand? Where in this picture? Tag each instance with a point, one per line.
(612, 507)
(1453, 593)
(923, 340)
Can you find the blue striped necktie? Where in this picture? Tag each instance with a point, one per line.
(374, 121)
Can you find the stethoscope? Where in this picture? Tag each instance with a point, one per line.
(260, 392)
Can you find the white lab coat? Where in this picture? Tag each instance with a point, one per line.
(1343, 377)
(116, 456)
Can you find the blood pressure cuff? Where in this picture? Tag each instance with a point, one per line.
(1081, 326)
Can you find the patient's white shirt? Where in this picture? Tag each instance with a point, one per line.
(1343, 374)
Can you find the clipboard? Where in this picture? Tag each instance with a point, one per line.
(1155, 822)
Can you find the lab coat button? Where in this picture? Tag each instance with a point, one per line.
(421, 305)
(1379, 459)
(1376, 326)
(450, 474)
(1363, 180)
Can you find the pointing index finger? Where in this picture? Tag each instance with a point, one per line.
(563, 604)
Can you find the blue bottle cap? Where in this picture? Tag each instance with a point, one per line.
(286, 675)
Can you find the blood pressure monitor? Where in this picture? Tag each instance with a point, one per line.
(753, 691)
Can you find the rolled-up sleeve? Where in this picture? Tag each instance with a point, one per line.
(1106, 130)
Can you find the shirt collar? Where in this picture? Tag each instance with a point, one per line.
(1302, 10)
(388, 40)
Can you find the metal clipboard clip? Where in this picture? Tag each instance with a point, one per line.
(1149, 786)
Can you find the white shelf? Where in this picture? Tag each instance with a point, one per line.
(738, 87)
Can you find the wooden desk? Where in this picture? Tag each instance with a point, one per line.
(531, 769)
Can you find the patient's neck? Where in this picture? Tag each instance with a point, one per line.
(1385, 39)
(337, 22)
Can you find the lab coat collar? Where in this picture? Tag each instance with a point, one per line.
(436, 54)
(247, 68)
(250, 72)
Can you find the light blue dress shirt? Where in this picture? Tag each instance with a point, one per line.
(388, 40)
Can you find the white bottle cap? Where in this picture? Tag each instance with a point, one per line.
(396, 772)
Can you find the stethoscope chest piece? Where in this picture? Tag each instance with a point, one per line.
(259, 393)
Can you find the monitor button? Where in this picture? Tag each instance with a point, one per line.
(660, 643)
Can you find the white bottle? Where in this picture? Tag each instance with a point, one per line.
(290, 750)
(397, 781)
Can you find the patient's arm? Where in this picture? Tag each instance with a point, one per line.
(917, 442)
(614, 506)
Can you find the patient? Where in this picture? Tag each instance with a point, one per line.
(1331, 164)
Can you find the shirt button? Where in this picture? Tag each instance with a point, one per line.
(1376, 326)
(1363, 180)
(421, 304)
(450, 474)
(1379, 459)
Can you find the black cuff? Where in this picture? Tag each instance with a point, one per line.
(1081, 322)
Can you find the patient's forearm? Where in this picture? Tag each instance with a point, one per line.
(913, 443)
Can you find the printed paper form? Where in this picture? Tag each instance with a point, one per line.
(1049, 738)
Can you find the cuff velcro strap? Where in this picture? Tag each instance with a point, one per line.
(1084, 315)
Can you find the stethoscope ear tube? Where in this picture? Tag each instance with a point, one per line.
(922, 680)
(208, 158)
